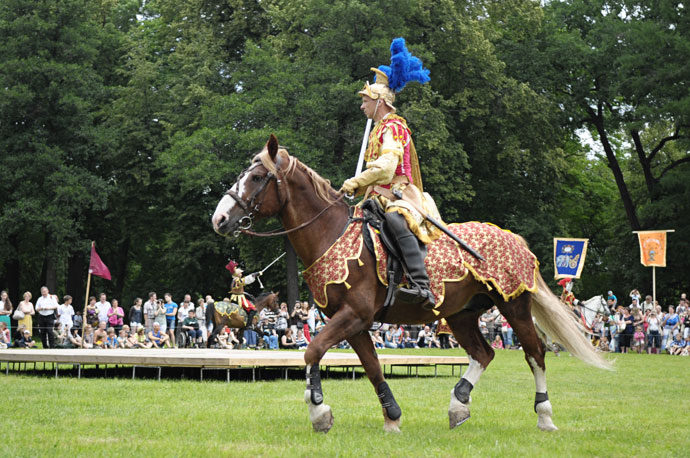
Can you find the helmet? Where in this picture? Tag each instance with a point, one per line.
(380, 89)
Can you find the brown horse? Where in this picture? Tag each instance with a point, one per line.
(237, 320)
(314, 216)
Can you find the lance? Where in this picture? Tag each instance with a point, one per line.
(365, 139)
(266, 268)
(399, 195)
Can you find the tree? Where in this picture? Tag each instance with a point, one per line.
(52, 72)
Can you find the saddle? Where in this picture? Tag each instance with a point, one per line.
(373, 216)
(229, 308)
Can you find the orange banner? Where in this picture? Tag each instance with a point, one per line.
(652, 248)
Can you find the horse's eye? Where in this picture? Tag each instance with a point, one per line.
(257, 178)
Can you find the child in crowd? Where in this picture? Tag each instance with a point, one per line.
(302, 342)
(223, 339)
(122, 339)
(638, 339)
(408, 342)
(4, 336)
(140, 340)
(89, 336)
(26, 341)
(111, 340)
(497, 343)
(677, 345)
(60, 334)
(604, 344)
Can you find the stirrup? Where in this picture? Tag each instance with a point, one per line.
(416, 296)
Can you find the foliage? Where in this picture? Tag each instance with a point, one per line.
(124, 121)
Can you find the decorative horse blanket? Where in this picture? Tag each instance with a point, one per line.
(509, 266)
(229, 308)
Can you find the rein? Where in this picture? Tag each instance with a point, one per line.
(288, 231)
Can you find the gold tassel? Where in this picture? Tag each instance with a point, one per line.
(347, 285)
(359, 262)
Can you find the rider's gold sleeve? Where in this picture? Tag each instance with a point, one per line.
(380, 171)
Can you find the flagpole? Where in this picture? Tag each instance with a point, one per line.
(86, 302)
(654, 285)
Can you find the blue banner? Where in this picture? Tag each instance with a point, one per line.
(569, 257)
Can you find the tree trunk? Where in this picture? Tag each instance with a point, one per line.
(49, 271)
(292, 274)
(645, 164)
(12, 267)
(121, 274)
(628, 204)
(76, 278)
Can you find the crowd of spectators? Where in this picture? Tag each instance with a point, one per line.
(643, 326)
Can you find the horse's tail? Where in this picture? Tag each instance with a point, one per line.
(560, 324)
(211, 315)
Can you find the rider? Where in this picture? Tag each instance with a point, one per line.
(392, 163)
(237, 294)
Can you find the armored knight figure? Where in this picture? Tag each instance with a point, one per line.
(237, 294)
(392, 164)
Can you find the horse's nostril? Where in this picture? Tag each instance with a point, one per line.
(218, 219)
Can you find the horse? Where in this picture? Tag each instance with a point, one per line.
(314, 216)
(592, 307)
(237, 320)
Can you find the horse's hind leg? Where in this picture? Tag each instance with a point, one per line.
(392, 415)
(518, 313)
(466, 329)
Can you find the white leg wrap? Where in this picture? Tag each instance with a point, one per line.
(320, 415)
(474, 371)
(544, 410)
(544, 413)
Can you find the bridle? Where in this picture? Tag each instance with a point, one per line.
(251, 206)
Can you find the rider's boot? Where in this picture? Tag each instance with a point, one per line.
(419, 291)
(250, 318)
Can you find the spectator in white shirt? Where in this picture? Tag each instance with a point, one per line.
(103, 307)
(150, 311)
(46, 306)
(65, 313)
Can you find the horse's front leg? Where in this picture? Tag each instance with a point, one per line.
(343, 324)
(392, 415)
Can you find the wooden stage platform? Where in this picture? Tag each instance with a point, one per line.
(212, 359)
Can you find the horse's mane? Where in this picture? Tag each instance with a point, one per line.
(263, 295)
(322, 186)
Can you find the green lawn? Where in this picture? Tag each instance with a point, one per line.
(638, 410)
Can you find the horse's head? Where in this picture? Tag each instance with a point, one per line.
(604, 306)
(258, 192)
(269, 300)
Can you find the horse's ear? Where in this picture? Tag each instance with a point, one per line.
(272, 147)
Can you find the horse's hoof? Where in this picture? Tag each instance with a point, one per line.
(391, 426)
(544, 412)
(546, 425)
(322, 418)
(458, 413)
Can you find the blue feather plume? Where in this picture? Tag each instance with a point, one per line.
(404, 67)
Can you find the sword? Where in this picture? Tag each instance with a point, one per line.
(272, 262)
(433, 221)
(260, 273)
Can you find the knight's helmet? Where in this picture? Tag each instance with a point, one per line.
(389, 80)
(234, 269)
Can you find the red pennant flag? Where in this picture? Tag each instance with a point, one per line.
(96, 266)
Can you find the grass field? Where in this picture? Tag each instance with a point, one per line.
(638, 410)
